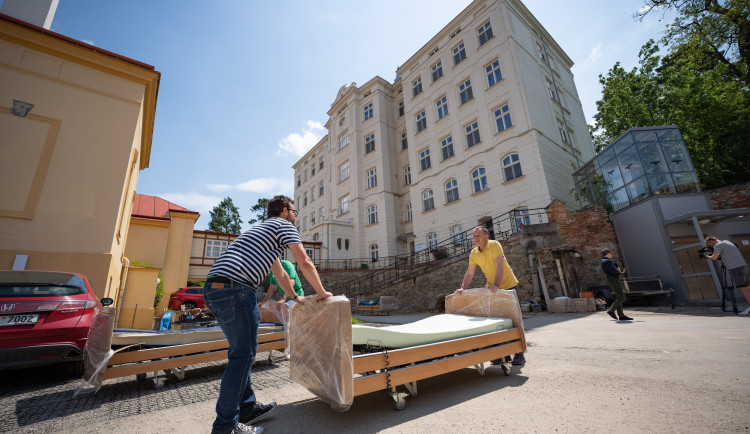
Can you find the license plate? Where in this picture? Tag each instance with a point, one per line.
(11, 320)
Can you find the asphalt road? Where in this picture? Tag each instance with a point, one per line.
(685, 370)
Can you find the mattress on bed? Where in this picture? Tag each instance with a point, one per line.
(436, 328)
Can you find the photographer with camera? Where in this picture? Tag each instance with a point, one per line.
(613, 271)
(733, 261)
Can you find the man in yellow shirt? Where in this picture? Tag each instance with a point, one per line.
(489, 256)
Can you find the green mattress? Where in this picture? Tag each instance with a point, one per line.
(436, 328)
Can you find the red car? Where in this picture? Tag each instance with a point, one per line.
(190, 297)
(44, 317)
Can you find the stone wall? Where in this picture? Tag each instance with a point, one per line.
(731, 196)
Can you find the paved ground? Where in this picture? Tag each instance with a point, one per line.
(685, 370)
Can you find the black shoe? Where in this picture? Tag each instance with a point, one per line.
(259, 412)
(612, 314)
(625, 318)
(519, 359)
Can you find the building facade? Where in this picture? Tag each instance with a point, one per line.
(483, 120)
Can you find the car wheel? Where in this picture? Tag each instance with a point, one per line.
(189, 305)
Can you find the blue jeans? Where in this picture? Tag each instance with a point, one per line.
(237, 312)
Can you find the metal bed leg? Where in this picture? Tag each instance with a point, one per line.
(480, 368)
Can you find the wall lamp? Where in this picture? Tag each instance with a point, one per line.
(21, 108)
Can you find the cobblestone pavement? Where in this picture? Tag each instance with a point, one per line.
(41, 399)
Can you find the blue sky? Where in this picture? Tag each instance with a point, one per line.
(246, 85)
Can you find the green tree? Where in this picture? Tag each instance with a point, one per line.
(225, 218)
(261, 211)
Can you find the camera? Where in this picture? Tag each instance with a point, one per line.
(703, 251)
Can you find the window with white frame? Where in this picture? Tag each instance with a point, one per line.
(407, 175)
(306, 177)
(442, 107)
(312, 170)
(465, 92)
(368, 111)
(372, 214)
(550, 89)
(320, 214)
(484, 33)
(321, 189)
(479, 179)
(304, 223)
(451, 191)
(511, 167)
(374, 253)
(446, 147)
(320, 166)
(312, 195)
(316, 236)
(437, 71)
(540, 51)
(344, 171)
(416, 87)
(408, 212)
(343, 140)
(563, 132)
(493, 73)
(344, 204)
(404, 141)
(371, 178)
(214, 248)
(432, 240)
(428, 201)
(424, 159)
(457, 233)
(400, 108)
(472, 134)
(521, 218)
(421, 121)
(312, 219)
(304, 199)
(459, 54)
(299, 181)
(369, 143)
(502, 118)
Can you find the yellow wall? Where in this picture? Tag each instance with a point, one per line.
(137, 309)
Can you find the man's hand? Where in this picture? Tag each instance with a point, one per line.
(300, 300)
(324, 295)
(459, 291)
(493, 288)
(281, 301)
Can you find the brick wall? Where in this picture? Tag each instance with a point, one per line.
(731, 196)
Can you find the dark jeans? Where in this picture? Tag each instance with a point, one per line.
(237, 312)
(614, 283)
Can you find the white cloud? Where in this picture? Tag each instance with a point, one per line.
(298, 144)
(192, 201)
(595, 54)
(270, 186)
(88, 42)
(219, 188)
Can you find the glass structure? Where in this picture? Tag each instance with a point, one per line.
(642, 162)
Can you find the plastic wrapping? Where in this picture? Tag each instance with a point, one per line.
(320, 335)
(98, 349)
(278, 313)
(483, 302)
(388, 302)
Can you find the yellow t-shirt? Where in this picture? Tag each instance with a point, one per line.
(486, 261)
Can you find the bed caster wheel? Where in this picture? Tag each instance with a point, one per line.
(400, 403)
(140, 377)
(506, 369)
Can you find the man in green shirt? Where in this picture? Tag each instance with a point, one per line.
(293, 277)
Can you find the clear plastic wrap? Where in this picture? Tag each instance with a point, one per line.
(320, 335)
(483, 302)
(388, 302)
(277, 313)
(98, 349)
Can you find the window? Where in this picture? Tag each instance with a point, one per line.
(312, 195)
(316, 236)
(540, 50)
(479, 180)
(372, 214)
(404, 141)
(371, 178)
(451, 191)
(312, 219)
(407, 175)
(299, 181)
(369, 143)
(437, 71)
(511, 167)
(320, 214)
(521, 218)
(304, 223)
(428, 202)
(321, 189)
(368, 111)
(472, 134)
(312, 170)
(214, 248)
(459, 54)
(304, 203)
(416, 87)
(320, 166)
(408, 211)
(306, 177)
(400, 108)
(442, 107)
(563, 132)
(421, 122)
(344, 204)
(374, 253)
(484, 33)
(457, 233)
(343, 140)
(493, 73)
(343, 171)
(502, 118)
(446, 146)
(424, 159)
(432, 240)
(550, 90)
(464, 90)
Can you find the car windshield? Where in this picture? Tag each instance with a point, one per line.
(39, 290)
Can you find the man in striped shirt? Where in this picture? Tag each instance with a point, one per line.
(230, 295)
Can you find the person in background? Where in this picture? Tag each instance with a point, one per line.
(613, 272)
(294, 280)
(732, 258)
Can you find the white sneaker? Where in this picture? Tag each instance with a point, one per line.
(745, 312)
(247, 429)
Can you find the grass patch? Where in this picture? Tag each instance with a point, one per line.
(357, 321)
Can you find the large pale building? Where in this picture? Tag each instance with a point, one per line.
(483, 120)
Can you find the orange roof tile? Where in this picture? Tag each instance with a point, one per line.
(153, 207)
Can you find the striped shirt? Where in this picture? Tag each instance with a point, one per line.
(248, 259)
(730, 254)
